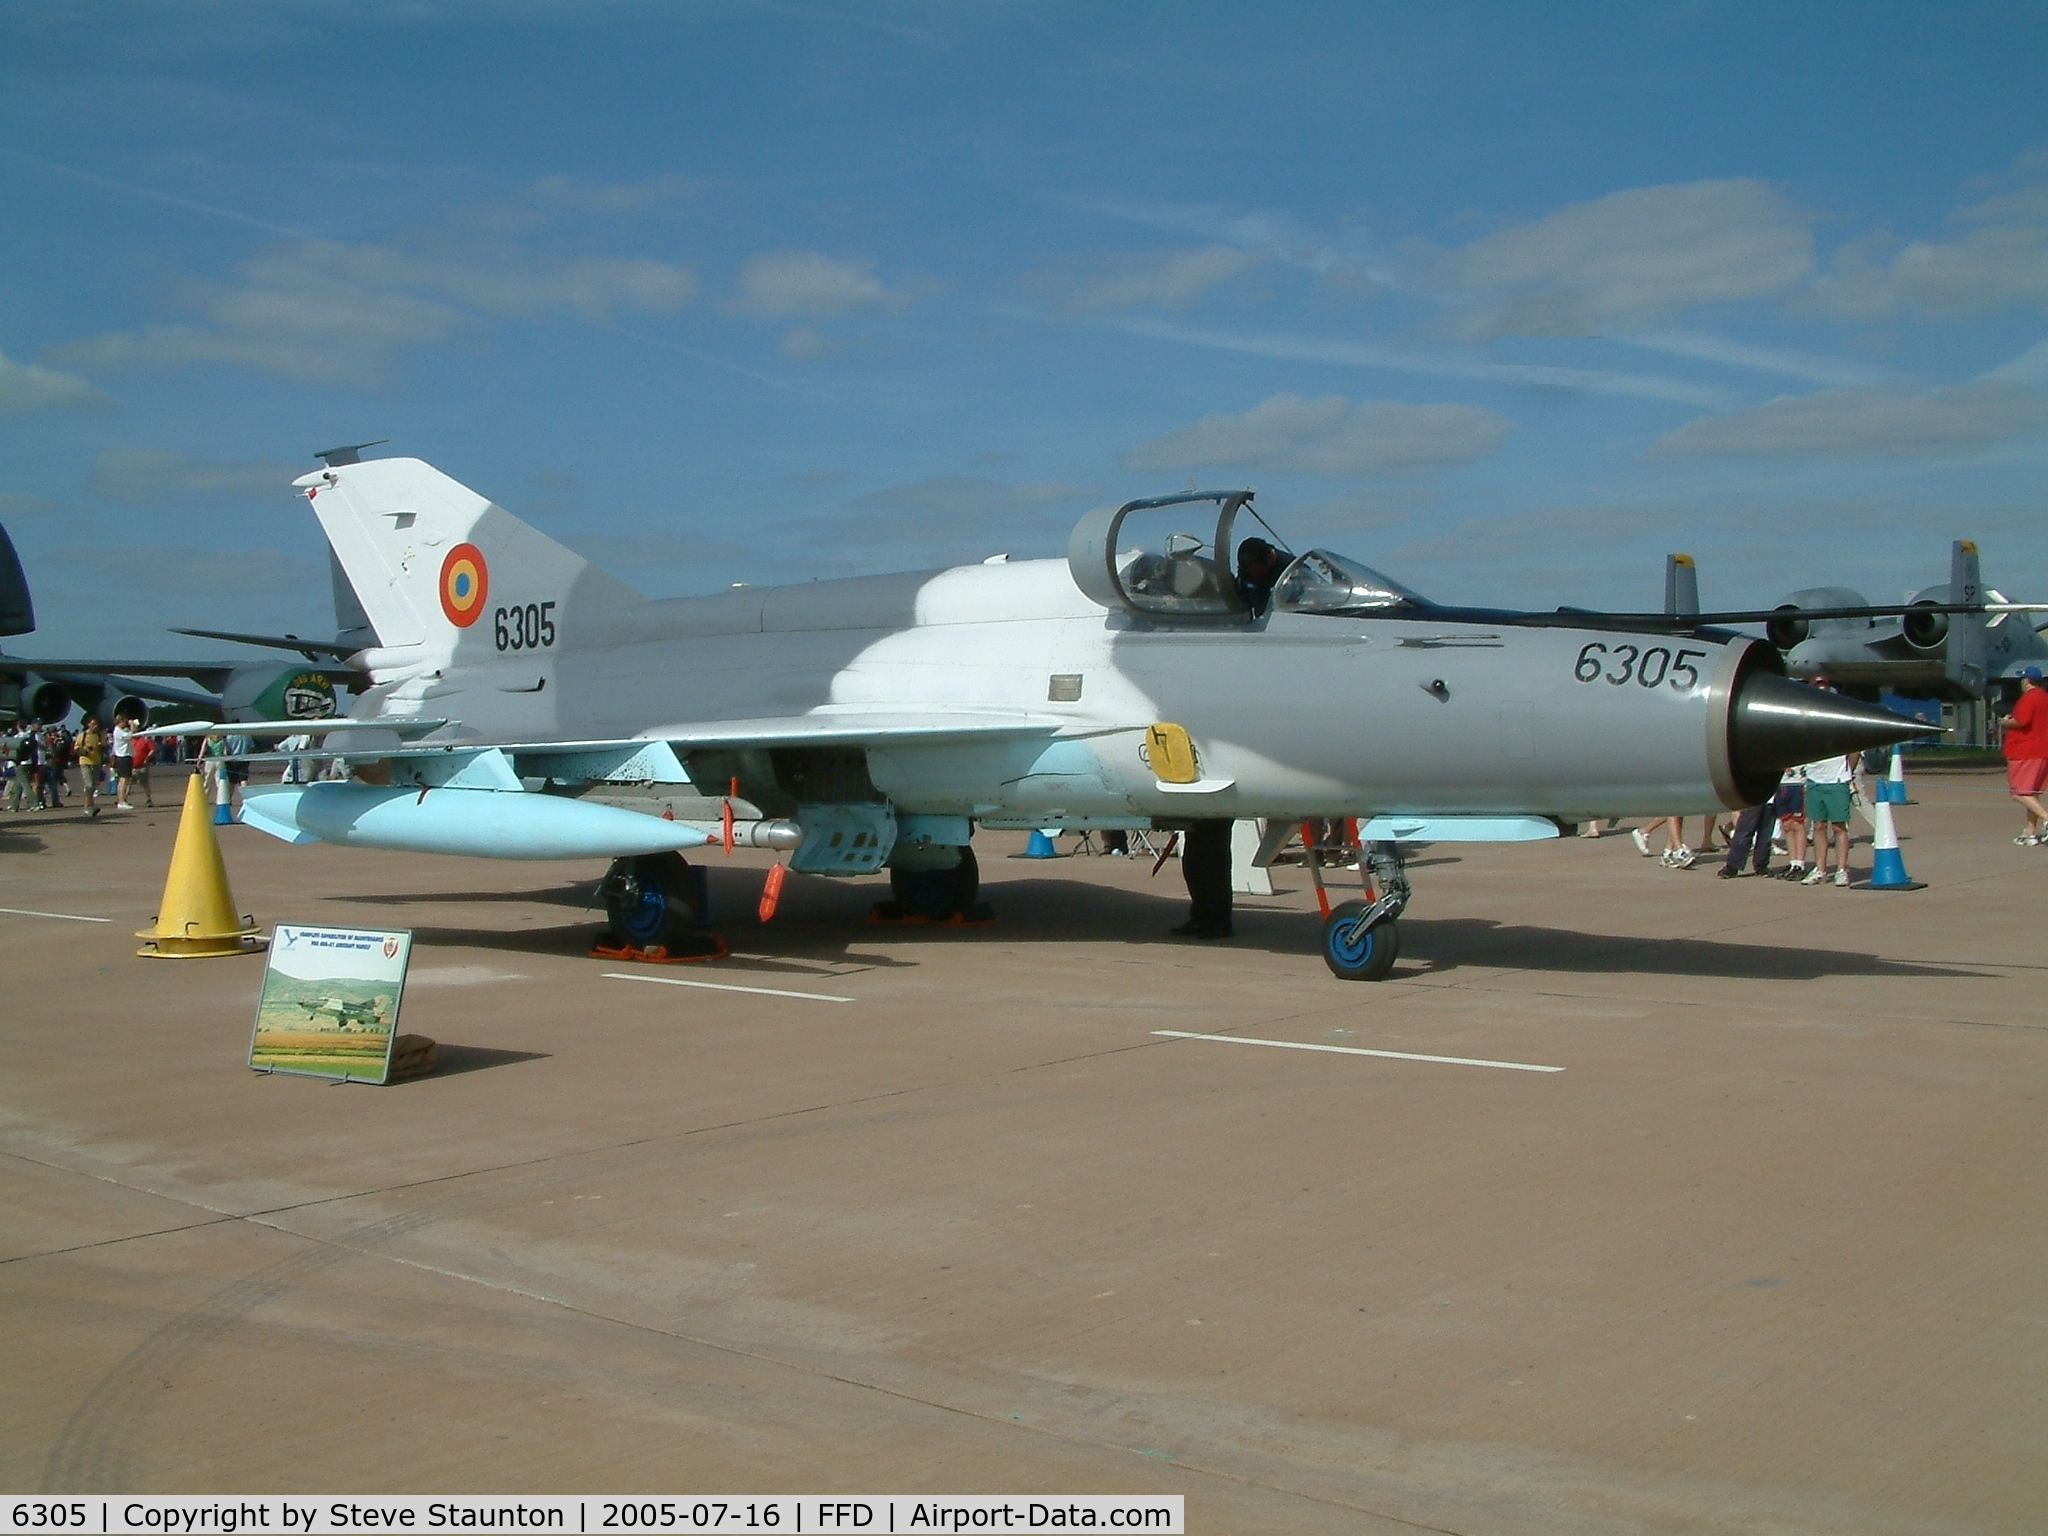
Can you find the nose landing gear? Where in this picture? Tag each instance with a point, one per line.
(1361, 940)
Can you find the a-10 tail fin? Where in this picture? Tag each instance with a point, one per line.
(1681, 585)
(1965, 661)
(431, 563)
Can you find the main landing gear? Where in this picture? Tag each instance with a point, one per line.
(1361, 940)
(935, 894)
(656, 906)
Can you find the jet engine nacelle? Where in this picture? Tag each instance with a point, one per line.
(1789, 629)
(51, 702)
(128, 706)
(1926, 631)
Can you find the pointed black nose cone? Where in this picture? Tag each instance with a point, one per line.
(1777, 724)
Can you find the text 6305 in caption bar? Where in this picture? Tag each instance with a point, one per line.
(866, 1514)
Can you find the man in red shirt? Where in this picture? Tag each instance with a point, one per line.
(2026, 755)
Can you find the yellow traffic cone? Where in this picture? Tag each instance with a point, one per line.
(197, 914)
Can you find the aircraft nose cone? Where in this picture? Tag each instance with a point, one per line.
(1777, 723)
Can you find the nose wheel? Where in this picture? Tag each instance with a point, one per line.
(1355, 952)
(1361, 939)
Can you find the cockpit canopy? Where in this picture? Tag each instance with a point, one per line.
(1322, 581)
(1162, 558)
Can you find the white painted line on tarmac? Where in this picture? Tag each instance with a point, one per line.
(1356, 1050)
(726, 986)
(69, 917)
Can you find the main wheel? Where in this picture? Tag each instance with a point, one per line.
(653, 900)
(937, 893)
(1364, 956)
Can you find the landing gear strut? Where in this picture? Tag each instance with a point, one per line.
(1360, 938)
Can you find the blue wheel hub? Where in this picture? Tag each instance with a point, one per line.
(1349, 946)
(644, 919)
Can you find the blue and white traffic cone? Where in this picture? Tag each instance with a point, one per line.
(223, 814)
(1888, 868)
(1891, 789)
(1040, 846)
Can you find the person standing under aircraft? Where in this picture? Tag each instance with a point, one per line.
(1790, 804)
(123, 746)
(1828, 783)
(91, 752)
(2026, 756)
(1205, 865)
(1751, 840)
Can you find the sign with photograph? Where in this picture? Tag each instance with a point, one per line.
(330, 1002)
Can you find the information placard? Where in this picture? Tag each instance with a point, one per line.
(330, 1002)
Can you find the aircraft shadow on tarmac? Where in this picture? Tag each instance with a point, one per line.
(453, 1060)
(825, 923)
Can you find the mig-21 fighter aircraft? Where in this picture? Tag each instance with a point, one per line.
(1148, 680)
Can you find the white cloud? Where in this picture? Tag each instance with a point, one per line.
(1887, 421)
(1432, 363)
(148, 476)
(1626, 259)
(807, 343)
(1984, 271)
(327, 312)
(1170, 279)
(949, 518)
(2030, 367)
(612, 197)
(32, 387)
(789, 285)
(1328, 435)
(1999, 258)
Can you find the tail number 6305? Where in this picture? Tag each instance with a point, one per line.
(524, 629)
(1652, 668)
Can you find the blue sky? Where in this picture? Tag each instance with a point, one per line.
(1504, 301)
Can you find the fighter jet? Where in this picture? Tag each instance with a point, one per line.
(873, 723)
(45, 690)
(347, 1014)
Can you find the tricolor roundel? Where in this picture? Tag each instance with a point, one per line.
(465, 583)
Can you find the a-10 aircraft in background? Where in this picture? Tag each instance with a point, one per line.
(872, 723)
(1953, 642)
(45, 690)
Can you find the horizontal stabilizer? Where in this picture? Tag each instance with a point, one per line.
(312, 650)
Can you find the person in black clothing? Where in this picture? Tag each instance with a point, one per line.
(1205, 865)
(1259, 565)
(1752, 840)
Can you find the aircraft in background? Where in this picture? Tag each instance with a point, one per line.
(46, 689)
(872, 723)
(1950, 642)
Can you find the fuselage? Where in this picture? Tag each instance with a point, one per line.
(1290, 714)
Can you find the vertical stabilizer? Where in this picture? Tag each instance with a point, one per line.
(17, 613)
(1681, 585)
(1967, 640)
(432, 564)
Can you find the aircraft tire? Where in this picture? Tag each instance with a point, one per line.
(1362, 957)
(664, 908)
(937, 893)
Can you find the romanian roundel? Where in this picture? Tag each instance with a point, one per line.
(465, 583)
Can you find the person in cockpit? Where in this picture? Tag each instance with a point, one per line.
(1259, 565)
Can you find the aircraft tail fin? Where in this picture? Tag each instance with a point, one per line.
(1968, 641)
(1681, 585)
(426, 561)
(17, 613)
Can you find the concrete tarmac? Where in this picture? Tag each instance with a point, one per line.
(1769, 1254)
